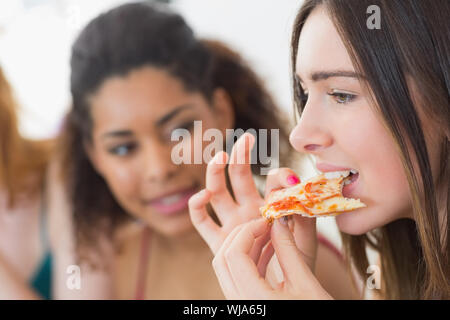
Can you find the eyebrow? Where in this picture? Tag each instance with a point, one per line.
(164, 119)
(117, 133)
(324, 75)
(172, 114)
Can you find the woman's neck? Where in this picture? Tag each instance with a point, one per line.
(187, 241)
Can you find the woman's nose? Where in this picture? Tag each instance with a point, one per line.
(158, 164)
(311, 134)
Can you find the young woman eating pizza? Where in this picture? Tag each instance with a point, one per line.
(375, 101)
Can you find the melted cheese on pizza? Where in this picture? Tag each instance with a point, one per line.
(315, 197)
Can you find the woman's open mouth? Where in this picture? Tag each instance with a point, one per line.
(350, 183)
(350, 179)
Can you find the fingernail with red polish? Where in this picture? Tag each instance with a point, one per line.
(293, 179)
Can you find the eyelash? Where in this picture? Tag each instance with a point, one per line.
(348, 96)
(115, 150)
(336, 95)
(303, 97)
(187, 125)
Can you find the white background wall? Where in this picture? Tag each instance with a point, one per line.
(36, 36)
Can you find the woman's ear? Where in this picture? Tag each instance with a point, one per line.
(224, 109)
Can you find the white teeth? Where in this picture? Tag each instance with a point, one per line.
(348, 181)
(171, 199)
(336, 174)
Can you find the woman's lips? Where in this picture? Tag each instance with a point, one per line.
(173, 203)
(327, 167)
(348, 189)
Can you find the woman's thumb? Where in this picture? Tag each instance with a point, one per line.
(289, 256)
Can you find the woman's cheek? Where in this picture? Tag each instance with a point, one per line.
(123, 183)
(392, 181)
(384, 183)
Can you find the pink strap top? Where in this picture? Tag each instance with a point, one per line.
(143, 263)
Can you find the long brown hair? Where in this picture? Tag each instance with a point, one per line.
(129, 37)
(22, 161)
(412, 44)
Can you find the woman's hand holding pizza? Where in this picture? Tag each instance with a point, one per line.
(241, 262)
(245, 243)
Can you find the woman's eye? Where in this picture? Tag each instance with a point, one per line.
(187, 125)
(304, 97)
(341, 97)
(123, 149)
(178, 131)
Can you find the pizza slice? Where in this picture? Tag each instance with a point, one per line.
(319, 196)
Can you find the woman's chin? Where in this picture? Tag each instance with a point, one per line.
(177, 231)
(170, 226)
(353, 222)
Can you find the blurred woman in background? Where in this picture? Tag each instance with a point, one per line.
(138, 74)
(25, 259)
